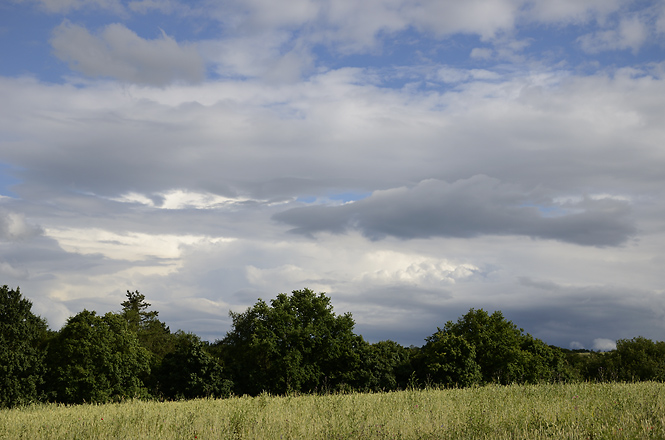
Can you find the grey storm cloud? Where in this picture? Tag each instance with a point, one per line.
(588, 312)
(468, 208)
(120, 53)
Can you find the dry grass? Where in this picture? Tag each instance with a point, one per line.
(573, 411)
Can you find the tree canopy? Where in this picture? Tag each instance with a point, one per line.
(96, 359)
(492, 346)
(153, 334)
(296, 343)
(190, 371)
(21, 355)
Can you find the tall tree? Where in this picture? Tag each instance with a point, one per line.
(296, 343)
(96, 359)
(134, 310)
(153, 334)
(21, 352)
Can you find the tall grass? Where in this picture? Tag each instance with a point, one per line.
(572, 411)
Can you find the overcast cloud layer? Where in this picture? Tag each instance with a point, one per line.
(413, 159)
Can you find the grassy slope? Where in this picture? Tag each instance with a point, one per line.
(575, 411)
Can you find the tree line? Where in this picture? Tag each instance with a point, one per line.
(294, 344)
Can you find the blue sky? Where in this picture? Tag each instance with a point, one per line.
(413, 159)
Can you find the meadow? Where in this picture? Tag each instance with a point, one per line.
(560, 411)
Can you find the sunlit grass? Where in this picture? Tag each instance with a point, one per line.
(574, 411)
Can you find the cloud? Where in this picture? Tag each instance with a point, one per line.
(119, 53)
(572, 11)
(350, 27)
(167, 182)
(63, 6)
(603, 344)
(482, 17)
(481, 53)
(163, 6)
(468, 208)
(630, 33)
(271, 56)
(453, 75)
(9, 271)
(13, 227)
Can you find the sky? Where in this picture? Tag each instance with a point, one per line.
(413, 159)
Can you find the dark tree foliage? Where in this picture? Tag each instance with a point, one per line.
(542, 362)
(597, 366)
(134, 310)
(21, 352)
(153, 334)
(296, 343)
(190, 371)
(639, 359)
(386, 366)
(503, 353)
(96, 359)
(450, 360)
(495, 340)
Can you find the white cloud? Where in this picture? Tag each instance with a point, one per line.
(630, 33)
(120, 53)
(14, 227)
(272, 56)
(265, 13)
(10, 271)
(481, 53)
(182, 199)
(482, 17)
(130, 246)
(348, 27)
(572, 11)
(603, 344)
(454, 75)
(171, 189)
(392, 268)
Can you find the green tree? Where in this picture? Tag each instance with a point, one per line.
(190, 371)
(450, 360)
(96, 359)
(153, 334)
(504, 353)
(495, 340)
(296, 343)
(542, 362)
(639, 359)
(599, 367)
(134, 310)
(386, 366)
(21, 352)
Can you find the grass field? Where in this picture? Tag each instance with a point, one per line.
(573, 411)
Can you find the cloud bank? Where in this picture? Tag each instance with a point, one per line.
(411, 159)
(469, 208)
